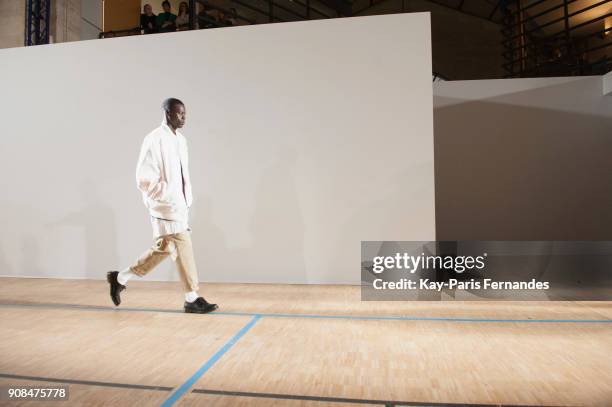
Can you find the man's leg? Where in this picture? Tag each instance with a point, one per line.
(185, 262)
(144, 264)
(186, 266)
(153, 256)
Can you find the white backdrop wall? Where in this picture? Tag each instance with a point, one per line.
(305, 138)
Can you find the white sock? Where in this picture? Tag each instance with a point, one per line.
(124, 276)
(191, 296)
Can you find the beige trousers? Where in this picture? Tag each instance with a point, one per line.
(162, 248)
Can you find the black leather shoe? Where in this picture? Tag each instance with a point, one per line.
(199, 306)
(115, 287)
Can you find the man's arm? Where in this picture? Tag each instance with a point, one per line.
(148, 173)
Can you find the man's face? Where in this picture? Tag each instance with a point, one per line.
(166, 8)
(177, 116)
(147, 9)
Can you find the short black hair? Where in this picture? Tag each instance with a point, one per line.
(170, 103)
(166, 2)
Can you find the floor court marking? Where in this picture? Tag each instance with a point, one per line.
(85, 382)
(184, 388)
(311, 316)
(242, 393)
(339, 400)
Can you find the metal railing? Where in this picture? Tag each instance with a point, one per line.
(197, 20)
(543, 38)
(437, 77)
(37, 24)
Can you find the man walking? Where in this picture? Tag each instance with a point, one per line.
(162, 175)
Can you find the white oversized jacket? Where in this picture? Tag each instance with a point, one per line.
(158, 174)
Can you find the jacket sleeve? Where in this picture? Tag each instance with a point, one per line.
(148, 173)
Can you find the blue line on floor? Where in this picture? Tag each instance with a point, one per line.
(209, 363)
(103, 308)
(407, 318)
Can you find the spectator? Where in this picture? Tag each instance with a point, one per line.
(205, 20)
(223, 19)
(147, 20)
(182, 21)
(233, 17)
(166, 20)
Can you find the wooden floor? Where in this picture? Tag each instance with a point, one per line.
(296, 345)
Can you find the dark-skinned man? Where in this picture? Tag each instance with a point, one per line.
(162, 176)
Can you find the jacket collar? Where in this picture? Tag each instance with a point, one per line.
(165, 126)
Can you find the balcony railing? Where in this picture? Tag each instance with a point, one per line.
(557, 37)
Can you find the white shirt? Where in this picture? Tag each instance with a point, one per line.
(182, 19)
(167, 227)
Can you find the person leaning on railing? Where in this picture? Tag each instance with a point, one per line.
(233, 17)
(182, 20)
(205, 19)
(166, 21)
(148, 23)
(224, 19)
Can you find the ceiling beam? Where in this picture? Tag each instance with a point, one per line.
(463, 12)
